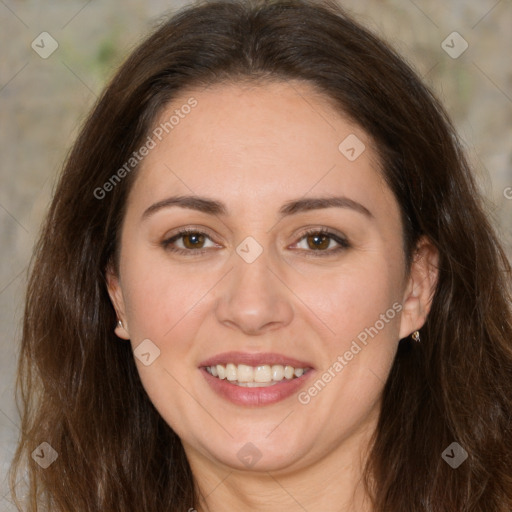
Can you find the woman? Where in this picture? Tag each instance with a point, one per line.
(266, 281)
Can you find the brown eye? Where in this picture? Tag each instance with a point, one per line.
(318, 241)
(193, 240)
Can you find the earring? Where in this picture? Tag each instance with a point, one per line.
(416, 336)
(119, 323)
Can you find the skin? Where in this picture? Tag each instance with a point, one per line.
(255, 147)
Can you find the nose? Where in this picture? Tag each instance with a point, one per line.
(254, 299)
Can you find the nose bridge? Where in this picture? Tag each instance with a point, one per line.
(253, 298)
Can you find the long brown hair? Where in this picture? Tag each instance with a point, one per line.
(78, 385)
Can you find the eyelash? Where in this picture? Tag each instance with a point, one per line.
(343, 244)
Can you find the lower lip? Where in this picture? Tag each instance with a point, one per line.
(242, 395)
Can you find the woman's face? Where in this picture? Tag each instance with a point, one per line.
(250, 290)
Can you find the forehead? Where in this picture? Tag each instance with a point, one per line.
(267, 142)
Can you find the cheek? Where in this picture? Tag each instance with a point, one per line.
(165, 307)
(359, 307)
(160, 298)
(351, 299)
(358, 354)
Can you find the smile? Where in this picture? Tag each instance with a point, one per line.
(255, 379)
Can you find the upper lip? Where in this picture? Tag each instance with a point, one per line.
(254, 359)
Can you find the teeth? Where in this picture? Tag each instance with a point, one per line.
(245, 373)
(231, 372)
(221, 371)
(262, 374)
(252, 377)
(277, 372)
(288, 372)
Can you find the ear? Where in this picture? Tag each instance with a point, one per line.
(116, 296)
(421, 285)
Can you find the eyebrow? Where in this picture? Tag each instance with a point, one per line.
(213, 207)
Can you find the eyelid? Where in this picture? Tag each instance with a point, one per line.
(202, 230)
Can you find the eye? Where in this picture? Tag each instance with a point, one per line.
(192, 242)
(322, 241)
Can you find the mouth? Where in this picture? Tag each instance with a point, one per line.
(255, 379)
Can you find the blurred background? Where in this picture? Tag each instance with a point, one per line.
(57, 56)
